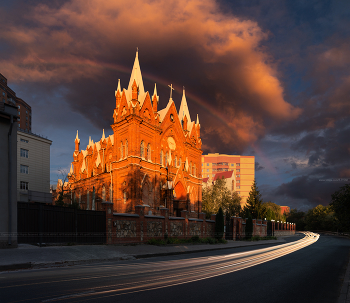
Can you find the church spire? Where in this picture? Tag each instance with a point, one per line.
(155, 98)
(118, 88)
(197, 120)
(103, 135)
(77, 141)
(184, 108)
(136, 75)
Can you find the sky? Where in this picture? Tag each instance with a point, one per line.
(270, 79)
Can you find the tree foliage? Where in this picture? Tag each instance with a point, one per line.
(272, 211)
(341, 207)
(218, 195)
(320, 218)
(254, 205)
(298, 217)
(219, 224)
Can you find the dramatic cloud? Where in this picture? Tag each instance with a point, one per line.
(216, 55)
(258, 166)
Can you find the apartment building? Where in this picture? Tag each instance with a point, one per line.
(24, 113)
(33, 168)
(242, 166)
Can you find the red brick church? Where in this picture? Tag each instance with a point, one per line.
(153, 157)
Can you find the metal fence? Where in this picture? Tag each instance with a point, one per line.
(38, 223)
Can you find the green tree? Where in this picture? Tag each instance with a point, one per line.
(218, 195)
(219, 224)
(341, 206)
(320, 218)
(272, 211)
(254, 203)
(297, 217)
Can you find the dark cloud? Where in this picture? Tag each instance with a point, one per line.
(250, 68)
(258, 166)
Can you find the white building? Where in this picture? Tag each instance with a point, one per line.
(33, 168)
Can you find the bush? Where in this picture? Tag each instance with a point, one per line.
(256, 238)
(249, 227)
(195, 239)
(219, 224)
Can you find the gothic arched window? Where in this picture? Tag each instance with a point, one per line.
(149, 152)
(166, 159)
(142, 149)
(126, 148)
(175, 161)
(161, 157)
(180, 162)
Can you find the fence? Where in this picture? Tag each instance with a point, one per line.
(40, 223)
(140, 227)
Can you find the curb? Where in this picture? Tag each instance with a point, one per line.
(33, 265)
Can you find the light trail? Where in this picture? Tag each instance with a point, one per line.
(131, 278)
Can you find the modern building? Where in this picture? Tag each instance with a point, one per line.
(285, 210)
(8, 96)
(33, 168)
(8, 175)
(152, 158)
(242, 166)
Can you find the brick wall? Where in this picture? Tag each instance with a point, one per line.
(140, 227)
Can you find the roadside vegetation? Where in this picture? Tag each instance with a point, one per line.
(192, 240)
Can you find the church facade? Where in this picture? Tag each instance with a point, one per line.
(153, 157)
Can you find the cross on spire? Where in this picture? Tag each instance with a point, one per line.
(171, 90)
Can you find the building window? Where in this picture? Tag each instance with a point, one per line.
(232, 164)
(125, 198)
(19, 107)
(202, 164)
(238, 181)
(24, 153)
(126, 148)
(142, 149)
(180, 162)
(166, 159)
(207, 164)
(238, 170)
(161, 157)
(208, 171)
(238, 187)
(149, 152)
(237, 164)
(175, 161)
(24, 169)
(24, 185)
(18, 112)
(238, 176)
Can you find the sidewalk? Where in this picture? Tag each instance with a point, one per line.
(29, 256)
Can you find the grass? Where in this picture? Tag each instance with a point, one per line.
(192, 240)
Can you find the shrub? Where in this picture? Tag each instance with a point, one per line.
(219, 224)
(249, 227)
(195, 239)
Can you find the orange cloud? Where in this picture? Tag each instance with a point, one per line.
(226, 50)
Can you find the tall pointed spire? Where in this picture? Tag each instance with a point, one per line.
(77, 137)
(136, 75)
(118, 88)
(155, 92)
(103, 135)
(71, 169)
(184, 109)
(197, 120)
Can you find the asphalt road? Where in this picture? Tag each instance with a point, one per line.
(308, 270)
